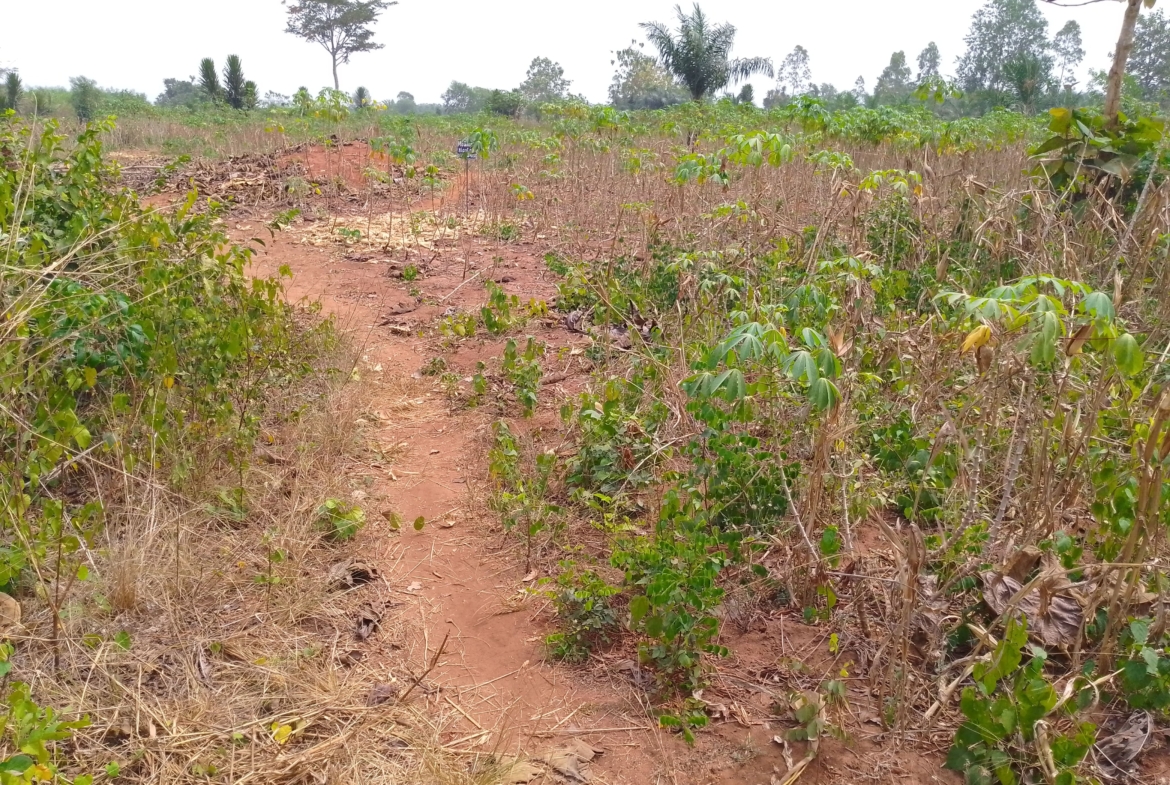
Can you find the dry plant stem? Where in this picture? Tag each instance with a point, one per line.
(1015, 452)
(431, 667)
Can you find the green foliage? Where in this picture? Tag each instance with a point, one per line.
(1086, 153)
(640, 83)
(501, 313)
(1006, 704)
(523, 370)
(674, 573)
(209, 80)
(544, 83)
(340, 521)
(13, 90)
(85, 97)
(134, 338)
(28, 733)
(507, 103)
(521, 495)
(584, 612)
(235, 90)
(615, 435)
(342, 27)
(698, 53)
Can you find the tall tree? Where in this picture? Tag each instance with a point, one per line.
(1121, 53)
(251, 95)
(178, 92)
(545, 82)
(893, 84)
(234, 82)
(85, 97)
(1027, 77)
(698, 53)
(461, 97)
(640, 82)
(1149, 63)
(859, 91)
(1001, 31)
(1069, 52)
(209, 80)
(929, 62)
(341, 27)
(795, 74)
(13, 90)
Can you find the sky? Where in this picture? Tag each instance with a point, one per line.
(135, 44)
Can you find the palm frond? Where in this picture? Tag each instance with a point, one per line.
(744, 67)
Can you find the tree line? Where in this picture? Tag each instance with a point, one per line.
(1010, 60)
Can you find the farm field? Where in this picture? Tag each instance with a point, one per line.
(565, 442)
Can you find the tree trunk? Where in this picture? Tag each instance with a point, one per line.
(337, 85)
(1120, 56)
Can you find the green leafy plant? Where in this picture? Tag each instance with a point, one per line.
(340, 521)
(1006, 713)
(584, 612)
(523, 370)
(522, 496)
(500, 314)
(675, 574)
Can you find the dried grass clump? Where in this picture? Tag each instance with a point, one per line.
(213, 650)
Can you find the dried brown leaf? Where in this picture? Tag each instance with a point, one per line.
(1118, 747)
(1056, 622)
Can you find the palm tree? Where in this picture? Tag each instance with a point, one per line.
(234, 84)
(361, 98)
(209, 79)
(699, 53)
(1028, 77)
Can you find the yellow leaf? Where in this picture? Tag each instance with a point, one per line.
(976, 338)
(90, 377)
(280, 733)
(168, 382)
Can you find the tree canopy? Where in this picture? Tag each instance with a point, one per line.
(1002, 31)
(698, 53)
(640, 82)
(341, 27)
(1149, 62)
(545, 82)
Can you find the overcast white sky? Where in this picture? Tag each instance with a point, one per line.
(137, 43)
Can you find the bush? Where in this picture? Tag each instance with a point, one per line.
(584, 611)
(133, 344)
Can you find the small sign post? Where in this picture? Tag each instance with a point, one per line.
(463, 150)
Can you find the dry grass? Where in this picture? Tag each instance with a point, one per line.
(241, 667)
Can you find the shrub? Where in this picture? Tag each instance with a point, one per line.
(584, 612)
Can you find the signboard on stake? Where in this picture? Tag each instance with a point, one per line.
(463, 150)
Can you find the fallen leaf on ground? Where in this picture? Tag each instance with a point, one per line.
(1119, 746)
(381, 693)
(367, 624)
(522, 772)
(350, 573)
(568, 759)
(1058, 625)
